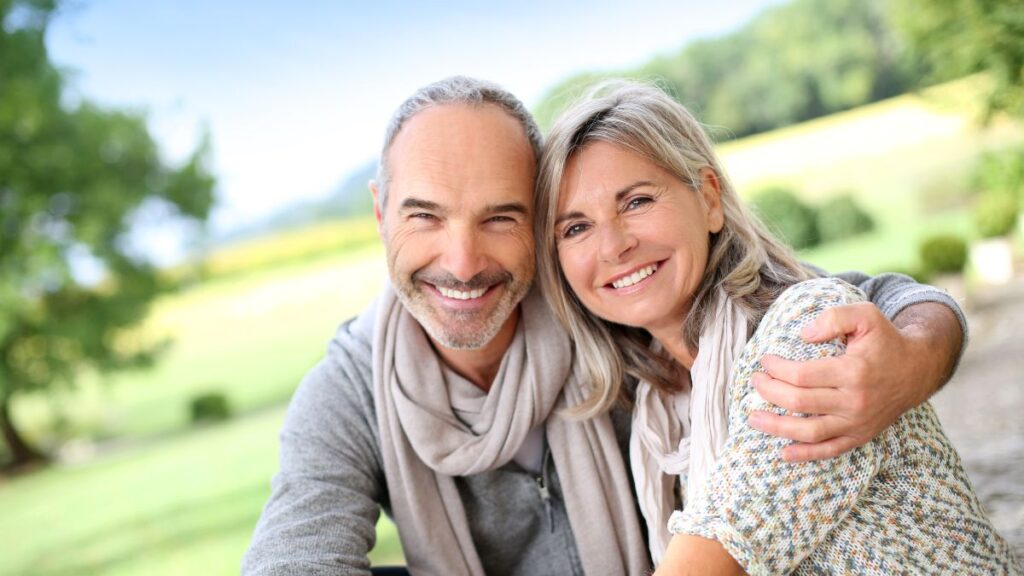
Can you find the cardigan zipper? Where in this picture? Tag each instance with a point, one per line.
(545, 492)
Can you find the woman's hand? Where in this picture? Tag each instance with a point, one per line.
(888, 368)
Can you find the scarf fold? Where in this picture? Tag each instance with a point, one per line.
(683, 435)
(424, 444)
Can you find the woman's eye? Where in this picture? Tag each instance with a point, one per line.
(573, 229)
(637, 202)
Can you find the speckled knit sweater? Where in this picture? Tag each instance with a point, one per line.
(900, 504)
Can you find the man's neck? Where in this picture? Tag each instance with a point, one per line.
(480, 366)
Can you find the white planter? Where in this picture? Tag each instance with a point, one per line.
(992, 260)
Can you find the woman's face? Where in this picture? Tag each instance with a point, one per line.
(632, 238)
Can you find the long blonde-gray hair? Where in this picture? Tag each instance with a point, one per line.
(747, 262)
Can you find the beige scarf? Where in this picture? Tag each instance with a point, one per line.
(424, 444)
(683, 435)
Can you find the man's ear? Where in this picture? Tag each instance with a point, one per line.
(378, 210)
(711, 192)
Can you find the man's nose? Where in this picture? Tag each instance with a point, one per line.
(463, 255)
(615, 241)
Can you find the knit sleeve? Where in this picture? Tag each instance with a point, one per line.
(767, 513)
(326, 498)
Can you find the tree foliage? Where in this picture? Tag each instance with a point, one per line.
(73, 176)
(794, 62)
(959, 37)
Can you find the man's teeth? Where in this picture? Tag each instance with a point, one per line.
(634, 277)
(460, 295)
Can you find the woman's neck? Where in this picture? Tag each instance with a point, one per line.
(673, 341)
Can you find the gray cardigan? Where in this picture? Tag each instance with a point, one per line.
(327, 497)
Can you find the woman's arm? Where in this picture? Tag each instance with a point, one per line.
(899, 352)
(695, 556)
(769, 515)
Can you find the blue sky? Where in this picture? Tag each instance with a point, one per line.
(296, 95)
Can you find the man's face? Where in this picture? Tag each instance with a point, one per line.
(458, 221)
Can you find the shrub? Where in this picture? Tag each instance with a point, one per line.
(841, 217)
(995, 214)
(788, 216)
(209, 407)
(1001, 172)
(917, 273)
(943, 254)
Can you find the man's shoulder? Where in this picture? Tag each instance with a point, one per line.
(342, 381)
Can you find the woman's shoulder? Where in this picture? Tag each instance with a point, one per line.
(826, 289)
(808, 298)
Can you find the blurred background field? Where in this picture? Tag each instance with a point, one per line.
(136, 486)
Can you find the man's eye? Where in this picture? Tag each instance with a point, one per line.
(422, 216)
(501, 219)
(573, 229)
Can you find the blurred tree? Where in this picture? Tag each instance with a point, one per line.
(959, 37)
(793, 62)
(73, 177)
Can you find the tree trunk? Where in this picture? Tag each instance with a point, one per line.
(22, 454)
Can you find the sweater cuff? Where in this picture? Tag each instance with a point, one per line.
(714, 528)
(921, 293)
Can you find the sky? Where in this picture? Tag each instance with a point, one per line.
(295, 96)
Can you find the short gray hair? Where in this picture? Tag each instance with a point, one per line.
(454, 90)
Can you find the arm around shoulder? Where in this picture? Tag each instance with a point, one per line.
(769, 514)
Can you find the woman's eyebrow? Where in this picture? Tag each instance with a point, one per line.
(622, 193)
(567, 216)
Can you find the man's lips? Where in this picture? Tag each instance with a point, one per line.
(462, 298)
(461, 294)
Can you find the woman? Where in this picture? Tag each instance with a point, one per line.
(658, 271)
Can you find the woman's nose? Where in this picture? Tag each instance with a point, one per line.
(616, 241)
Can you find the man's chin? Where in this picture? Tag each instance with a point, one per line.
(469, 339)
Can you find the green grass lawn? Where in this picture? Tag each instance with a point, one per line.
(161, 497)
(182, 504)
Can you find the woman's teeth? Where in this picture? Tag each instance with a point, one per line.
(460, 295)
(634, 277)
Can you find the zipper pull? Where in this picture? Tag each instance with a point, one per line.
(545, 495)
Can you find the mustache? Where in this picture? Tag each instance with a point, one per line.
(484, 279)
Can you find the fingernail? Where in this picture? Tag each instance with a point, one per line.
(755, 419)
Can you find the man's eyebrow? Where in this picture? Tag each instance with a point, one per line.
(618, 198)
(517, 207)
(419, 204)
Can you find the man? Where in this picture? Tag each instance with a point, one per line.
(441, 402)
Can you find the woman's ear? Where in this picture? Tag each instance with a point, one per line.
(711, 192)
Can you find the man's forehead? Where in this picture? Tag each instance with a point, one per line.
(454, 126)
(458, 152)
